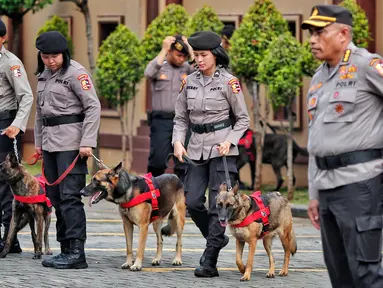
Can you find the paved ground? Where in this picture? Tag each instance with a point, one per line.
(106, 253)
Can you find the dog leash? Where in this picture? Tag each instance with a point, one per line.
(100, 163)
(14, 146)
(190, 161)
(227, 175)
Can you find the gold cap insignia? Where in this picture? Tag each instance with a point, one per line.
(315, 12)
(178, 46)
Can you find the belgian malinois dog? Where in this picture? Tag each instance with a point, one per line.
(117, 186)
(24, 184)
(234, 207)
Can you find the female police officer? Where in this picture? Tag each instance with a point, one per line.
(67, 121)
(205, 99)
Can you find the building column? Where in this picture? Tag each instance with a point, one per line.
(369, 6)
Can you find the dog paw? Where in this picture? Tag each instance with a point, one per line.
(135, 268)
(245, 277)
(283, 273)
(37, 256)
(126, 265)
(270, 275)
(242, 268)
(48, 252)
(177, 262)
(3, 255)
(156, 262)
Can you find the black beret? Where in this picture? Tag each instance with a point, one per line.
(228, 31)
(204, 40)
(324, 15)
(3, 29)
(51, 42)
(180, 45)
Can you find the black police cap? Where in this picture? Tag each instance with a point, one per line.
(180, 45)
(204, 40)
(51, 42)
(228, 31)
(3, 29)
(324, 15)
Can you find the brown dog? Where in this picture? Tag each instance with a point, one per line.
(117, 186)
(234, 207)
(25, 184)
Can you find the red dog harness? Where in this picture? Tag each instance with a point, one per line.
(246, 141)
(262, 214)
(41, 198)
(151, 195)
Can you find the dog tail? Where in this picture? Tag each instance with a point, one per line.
(293, 243)
(169, 229)
(302, 151)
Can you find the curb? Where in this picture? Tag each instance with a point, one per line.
(299, 210)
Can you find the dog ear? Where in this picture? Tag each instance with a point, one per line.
(223, 187)
(123, 184)
(13, 159)
(236, 188)
(118, 168)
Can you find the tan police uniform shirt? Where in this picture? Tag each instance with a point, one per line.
(345, 108)
(166, 82)
(67, 92)
(210, 102)
(15, 91)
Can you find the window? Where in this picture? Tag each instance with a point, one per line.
(106, 25)
(279, 117)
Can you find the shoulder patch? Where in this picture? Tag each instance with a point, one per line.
(16, 72)
(346, 56)
(85, 81)
(234, 84)
(183, 83)
(378, 65)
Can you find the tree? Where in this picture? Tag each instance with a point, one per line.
(84, 8)
(170, 22)
(205, 19)
(261, 24)
(281, 70)
(119, 69)
(58, 24)
(361, 32)
(15, 10)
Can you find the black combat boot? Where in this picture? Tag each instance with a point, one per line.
(75, 259)
(224, 244)
(209, 267)
(49, 262)
(15, 248)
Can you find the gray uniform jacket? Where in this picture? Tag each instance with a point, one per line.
(345, 109)
(15, 91)
(166, 82)
(210, 102)
(67, 93)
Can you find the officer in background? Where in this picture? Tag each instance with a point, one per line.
(67, 120)
(205, 100)
(166, 72)
(16, 101)
(226, 34)
(345, 143)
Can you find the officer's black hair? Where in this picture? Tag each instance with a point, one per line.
(222, 57)
(41, 66)
(228, 31)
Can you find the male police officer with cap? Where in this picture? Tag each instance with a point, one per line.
(345, 109)
(16, 101)
(166, 71)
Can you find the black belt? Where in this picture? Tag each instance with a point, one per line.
(162, 115)
(350, 158)
(64, 119)
(9, 114)
(210, 127)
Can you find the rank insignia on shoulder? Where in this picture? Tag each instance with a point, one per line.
(373, 61)
(16, 71)
(346, 56)
(234, 84)
(183, 83)
(85, 81)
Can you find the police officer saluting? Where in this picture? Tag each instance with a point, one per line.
(166, 72)
(206, 98)
(16, 101)
(67, 121)
(345, 108)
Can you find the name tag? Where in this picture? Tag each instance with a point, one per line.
(345, 84)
